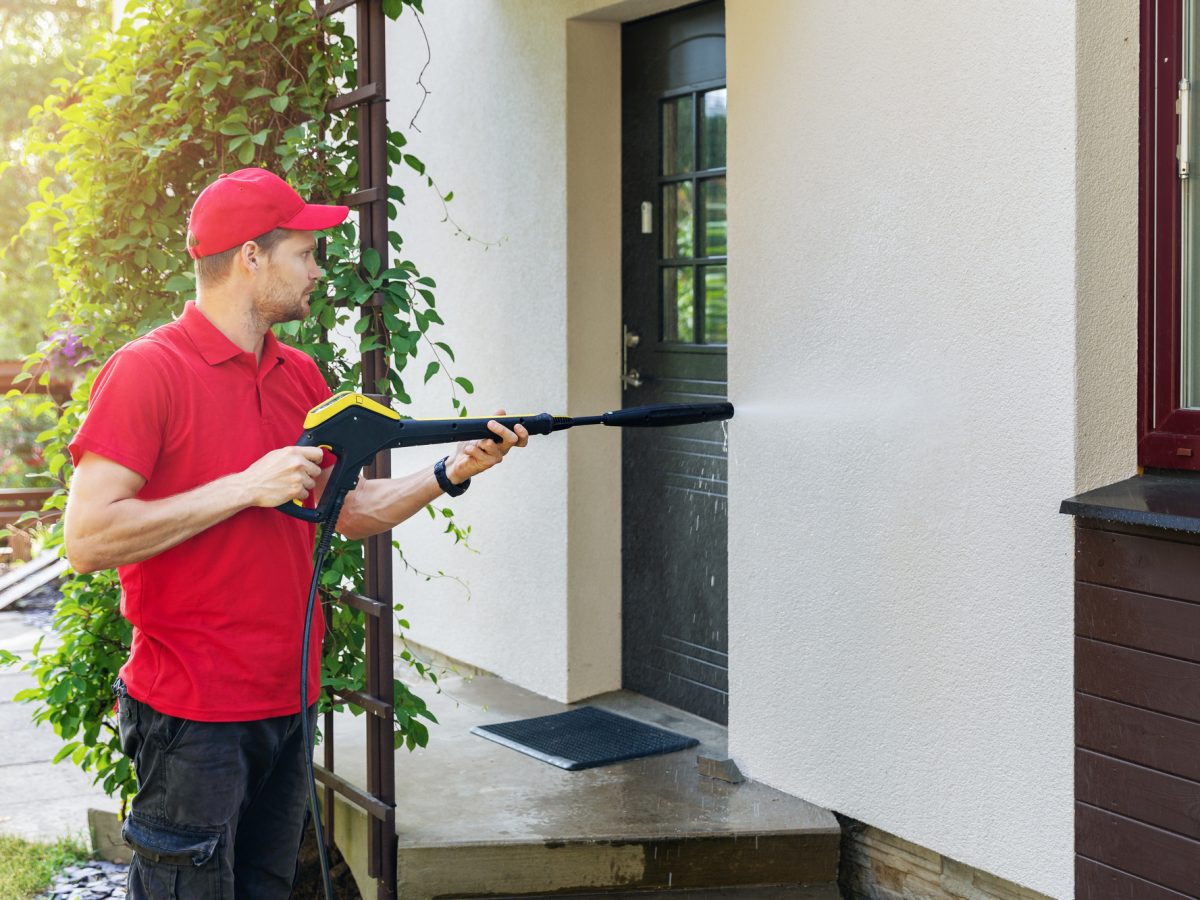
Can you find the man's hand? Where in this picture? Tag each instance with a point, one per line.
(288, 473)
(472, 457)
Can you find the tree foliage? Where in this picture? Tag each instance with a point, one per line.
(39, 42)
(181, 91)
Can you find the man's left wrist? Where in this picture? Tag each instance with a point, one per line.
(447, 479)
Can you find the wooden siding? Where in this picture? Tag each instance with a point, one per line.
(1137, 713)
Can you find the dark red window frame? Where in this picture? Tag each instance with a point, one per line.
(1168, 437)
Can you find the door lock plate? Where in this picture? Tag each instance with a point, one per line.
(629, 377)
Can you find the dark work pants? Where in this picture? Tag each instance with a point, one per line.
(220, 808)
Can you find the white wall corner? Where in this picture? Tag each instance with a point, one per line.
(1106, 246)
(593, 143)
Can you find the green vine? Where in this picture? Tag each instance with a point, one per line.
(182, 91)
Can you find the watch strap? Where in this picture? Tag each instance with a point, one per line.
(444, 482)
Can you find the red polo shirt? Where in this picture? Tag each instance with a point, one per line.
(218, 619)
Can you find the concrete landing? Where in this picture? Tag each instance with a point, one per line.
(479, 819)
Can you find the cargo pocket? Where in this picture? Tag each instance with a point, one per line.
(171, 861)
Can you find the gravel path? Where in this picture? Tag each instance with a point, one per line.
(91, 881)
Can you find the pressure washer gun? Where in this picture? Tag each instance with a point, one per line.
(354, 428)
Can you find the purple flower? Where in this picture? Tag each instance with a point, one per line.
(66, 348)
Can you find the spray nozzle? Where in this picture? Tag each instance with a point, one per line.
(665, 414)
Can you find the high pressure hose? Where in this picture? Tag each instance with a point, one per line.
(322, 549)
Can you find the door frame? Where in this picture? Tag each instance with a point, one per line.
(593, 334)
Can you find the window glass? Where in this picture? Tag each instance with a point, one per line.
(679, 304)
(678, 221)
(678, 139)
(1190, 226)
(693, 218)
(712, 130)
(715, 305)
(716, 229)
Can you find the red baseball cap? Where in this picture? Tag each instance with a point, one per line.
(240, 206)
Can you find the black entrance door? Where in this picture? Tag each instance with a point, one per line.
(674, 242)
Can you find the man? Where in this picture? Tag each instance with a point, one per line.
(187, 448)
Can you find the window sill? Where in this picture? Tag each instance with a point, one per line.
(1155, 500)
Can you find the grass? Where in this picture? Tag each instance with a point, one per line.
(27, 868)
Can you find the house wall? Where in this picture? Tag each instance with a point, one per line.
(492, 132)
(908, 326)
(931, 211)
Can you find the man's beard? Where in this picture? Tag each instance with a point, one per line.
(279, 303)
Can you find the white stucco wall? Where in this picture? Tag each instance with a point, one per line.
(523, 124)
(491, 131)
(903, 362)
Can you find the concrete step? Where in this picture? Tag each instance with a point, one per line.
(629, 866)
(478, 819)
(772, 892)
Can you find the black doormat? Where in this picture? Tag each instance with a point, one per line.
(585, 737)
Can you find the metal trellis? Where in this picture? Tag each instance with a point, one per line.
(370, 202)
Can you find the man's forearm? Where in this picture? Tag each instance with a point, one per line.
(131, 530)
(382, 503)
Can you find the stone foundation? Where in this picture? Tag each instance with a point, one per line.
(876, 865)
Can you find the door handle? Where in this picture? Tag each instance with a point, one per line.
(629, 377)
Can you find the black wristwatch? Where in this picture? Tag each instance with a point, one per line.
(444, 482)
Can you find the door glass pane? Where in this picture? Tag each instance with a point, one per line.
(678, 221)
(712, 129)
(715, 305)
(716, 229)
(677, 135)
(679, 305)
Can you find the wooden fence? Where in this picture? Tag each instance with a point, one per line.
(14, 503)
(59, 388)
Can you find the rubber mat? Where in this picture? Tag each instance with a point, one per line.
(584, 737)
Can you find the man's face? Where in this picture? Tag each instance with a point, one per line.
(289, 278)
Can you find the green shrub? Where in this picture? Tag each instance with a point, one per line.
(22, 459)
